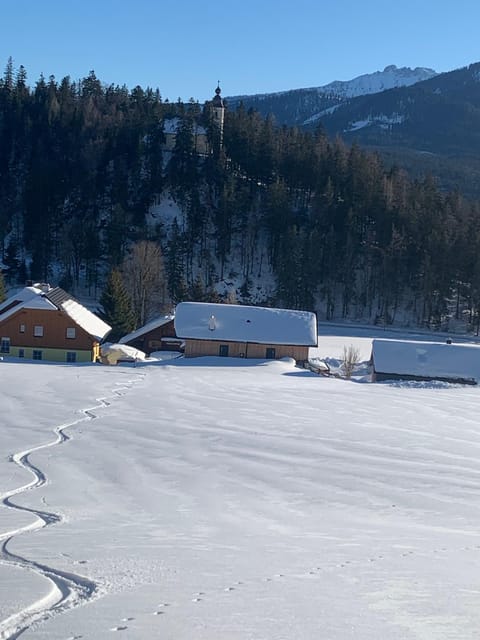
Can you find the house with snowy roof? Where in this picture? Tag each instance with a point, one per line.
(240, 331)
(41, 322)
(412, 360)
(156, 335)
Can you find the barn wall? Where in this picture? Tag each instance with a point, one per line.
(378, 376)
(196, 348)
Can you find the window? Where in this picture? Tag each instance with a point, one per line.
(71, 356)
(5, 345)
(22, 328)
(223, 350)
(270, 353)
(37, 355)
(21, 353)
(38, 331)
(71, 332)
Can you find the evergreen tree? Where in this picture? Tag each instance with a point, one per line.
(117, 307)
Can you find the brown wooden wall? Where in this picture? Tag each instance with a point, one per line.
(55, 324)
(196, 348)
(152, 340)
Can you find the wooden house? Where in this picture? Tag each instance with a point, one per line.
(412, 360)
(46, 323)
(244, 331)
(157, 335)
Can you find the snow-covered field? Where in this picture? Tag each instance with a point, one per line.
(218, 499)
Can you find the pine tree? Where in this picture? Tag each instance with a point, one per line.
(117, 306)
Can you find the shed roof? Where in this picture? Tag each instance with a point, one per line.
(150, 326)
(426, 359)
(42, 296)
(239, 323)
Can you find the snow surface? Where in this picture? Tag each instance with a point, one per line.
(215, 499)
(384, 121)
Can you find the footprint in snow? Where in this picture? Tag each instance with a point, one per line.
(229, 589)
(158, 613)
(196, 600)
(119, 628)
(127, 619)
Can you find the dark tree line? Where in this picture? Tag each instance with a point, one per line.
(82, 166)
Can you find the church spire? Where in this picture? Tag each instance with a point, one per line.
(218, 111)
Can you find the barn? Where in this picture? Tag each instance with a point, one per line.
(415, 360)
(242, 331)
(156, 335)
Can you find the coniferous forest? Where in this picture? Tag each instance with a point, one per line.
(84, 169)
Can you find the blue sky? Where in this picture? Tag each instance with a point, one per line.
(183, 46)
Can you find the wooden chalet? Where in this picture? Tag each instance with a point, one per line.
(245, 332)
(46, 323)
(157, 335)
(424, 361)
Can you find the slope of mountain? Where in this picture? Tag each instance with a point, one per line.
(304, 106)
(417, 119)
(432, 126)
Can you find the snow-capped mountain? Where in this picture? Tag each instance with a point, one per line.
(389, 78)
(304, 106)
(423, 121)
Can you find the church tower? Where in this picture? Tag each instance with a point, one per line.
(218, 112)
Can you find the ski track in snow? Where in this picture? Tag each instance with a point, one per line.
(68, 590)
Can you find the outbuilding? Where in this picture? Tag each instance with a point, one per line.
(242, 331)
(156, 335)
(415, 360)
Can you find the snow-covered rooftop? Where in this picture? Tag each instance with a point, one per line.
(85, 319)
(426, 359)
(238, 323)
(150, 326)
(28, 298)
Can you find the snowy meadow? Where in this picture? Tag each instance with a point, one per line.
(224, 499)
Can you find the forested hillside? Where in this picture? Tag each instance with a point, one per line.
(276, 216)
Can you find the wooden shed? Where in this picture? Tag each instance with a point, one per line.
(41, 322)
(157, 335)
(415, 360)
(244, 331)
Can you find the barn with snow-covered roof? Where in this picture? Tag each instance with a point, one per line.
(412, 360)
(245, 332)
(156, 335)
(41, 322)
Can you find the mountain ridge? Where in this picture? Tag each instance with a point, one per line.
(334, 92)
(426, 127)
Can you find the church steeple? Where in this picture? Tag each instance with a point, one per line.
(218, 111)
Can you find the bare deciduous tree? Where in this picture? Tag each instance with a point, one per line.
(144, 276)
(351, 357)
